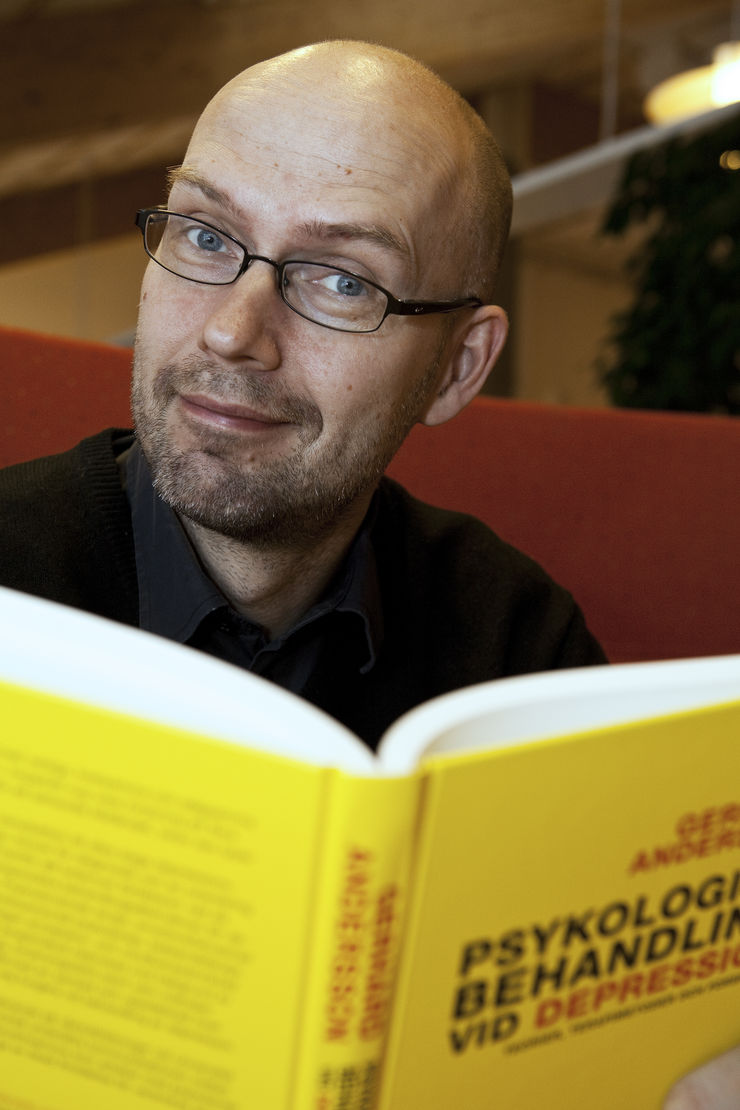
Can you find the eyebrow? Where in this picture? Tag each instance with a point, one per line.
(183, 175)
(371, 233)
(322, 230)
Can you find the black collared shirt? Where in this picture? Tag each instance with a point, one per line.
(178, 600)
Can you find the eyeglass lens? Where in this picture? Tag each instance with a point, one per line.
(324, 294)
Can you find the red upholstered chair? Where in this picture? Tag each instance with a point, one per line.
(637, 513)
(55, 391)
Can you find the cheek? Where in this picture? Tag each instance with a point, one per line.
(362, 409)
(168, 321)
(375, 384)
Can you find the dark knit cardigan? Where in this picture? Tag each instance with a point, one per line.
(459, 605)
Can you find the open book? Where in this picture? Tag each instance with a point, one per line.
(213, 897)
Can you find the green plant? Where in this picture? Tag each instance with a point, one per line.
(678, 345)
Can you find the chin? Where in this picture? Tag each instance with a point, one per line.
(275, 505)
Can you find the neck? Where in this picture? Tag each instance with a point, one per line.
(274, 586)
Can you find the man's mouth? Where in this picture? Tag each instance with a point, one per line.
(229, 415)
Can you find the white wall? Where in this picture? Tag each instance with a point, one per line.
(89, 293)
(569, 283)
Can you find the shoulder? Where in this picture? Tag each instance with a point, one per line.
(60, 484)
(501, 610)
(439, 541)
(67, 527)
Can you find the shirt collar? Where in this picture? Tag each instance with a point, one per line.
(176, 595)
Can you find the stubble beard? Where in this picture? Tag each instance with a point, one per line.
(293, 499)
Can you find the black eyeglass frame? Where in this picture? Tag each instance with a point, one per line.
(394, 306)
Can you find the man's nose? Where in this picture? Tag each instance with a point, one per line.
(244, 320)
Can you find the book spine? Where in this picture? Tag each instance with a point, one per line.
(352, 949)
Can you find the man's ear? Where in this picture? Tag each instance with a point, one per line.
(473, 350)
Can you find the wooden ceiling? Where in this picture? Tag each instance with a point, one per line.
(110, 88)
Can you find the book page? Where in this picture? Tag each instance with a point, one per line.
(574, 939)
(157, 891)
(63, 651)
(530, 707)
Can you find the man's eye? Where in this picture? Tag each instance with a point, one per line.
(345, 284)
(205, 239)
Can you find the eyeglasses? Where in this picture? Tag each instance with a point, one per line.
(325, 295)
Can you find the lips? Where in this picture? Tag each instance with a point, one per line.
(225, 414)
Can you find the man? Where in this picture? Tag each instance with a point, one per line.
(274, 379)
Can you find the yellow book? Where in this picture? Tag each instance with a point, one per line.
(214, 897)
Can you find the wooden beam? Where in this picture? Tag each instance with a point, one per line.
(106, 68)
(94, 91)
(25, 167)
(77, 214)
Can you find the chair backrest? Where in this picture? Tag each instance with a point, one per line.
(58, 390)
(636, 513)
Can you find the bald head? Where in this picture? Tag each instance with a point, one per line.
(405, 123)
(338, 186)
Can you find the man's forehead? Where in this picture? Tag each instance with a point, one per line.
(389, 175)
(316, 229)
(339, 124)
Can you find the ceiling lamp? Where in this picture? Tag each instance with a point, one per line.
(697, 90)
